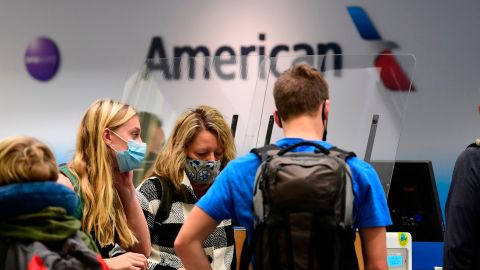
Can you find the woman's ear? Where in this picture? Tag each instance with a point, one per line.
(107, 136)
(277, 119)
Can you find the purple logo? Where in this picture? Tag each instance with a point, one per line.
(42, 58)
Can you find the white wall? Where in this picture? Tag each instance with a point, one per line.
(103, 42)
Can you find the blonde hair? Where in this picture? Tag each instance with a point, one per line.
(170, 163)
(26, 159)
(92, 164)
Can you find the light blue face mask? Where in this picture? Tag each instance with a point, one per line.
(131, 158)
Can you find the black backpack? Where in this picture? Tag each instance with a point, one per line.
(303, 204)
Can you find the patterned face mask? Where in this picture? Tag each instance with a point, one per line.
(202, 172)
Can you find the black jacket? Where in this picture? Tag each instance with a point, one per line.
(462, 235)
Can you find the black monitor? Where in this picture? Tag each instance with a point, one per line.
(412, 198)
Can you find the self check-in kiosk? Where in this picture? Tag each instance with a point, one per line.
(413, 199)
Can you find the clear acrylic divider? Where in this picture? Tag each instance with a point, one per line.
(162, 89)
(368, 99)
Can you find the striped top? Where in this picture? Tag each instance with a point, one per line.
(219, 246)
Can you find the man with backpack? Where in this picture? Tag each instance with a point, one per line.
(293, 229)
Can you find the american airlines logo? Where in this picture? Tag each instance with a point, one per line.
(391, 73)
(219, 61)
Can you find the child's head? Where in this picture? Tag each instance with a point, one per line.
(26, 159)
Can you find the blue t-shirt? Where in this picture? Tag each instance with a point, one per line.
(231, 195)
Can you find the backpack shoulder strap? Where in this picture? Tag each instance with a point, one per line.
(266, 151)
(343, 154)
(165, 194)
(248, 248)
(349, 218)
(78, 212)
(66, 171)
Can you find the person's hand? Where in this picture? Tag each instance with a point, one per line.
(123, 181)
(181, 268)
(127, 261)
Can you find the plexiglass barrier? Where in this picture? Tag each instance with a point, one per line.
(368, 98)
(163, 89)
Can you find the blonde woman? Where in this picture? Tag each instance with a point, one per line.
(35, 210)
(200, 146)
(108, 148)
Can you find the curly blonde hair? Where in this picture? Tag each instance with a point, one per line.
(26, 159)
